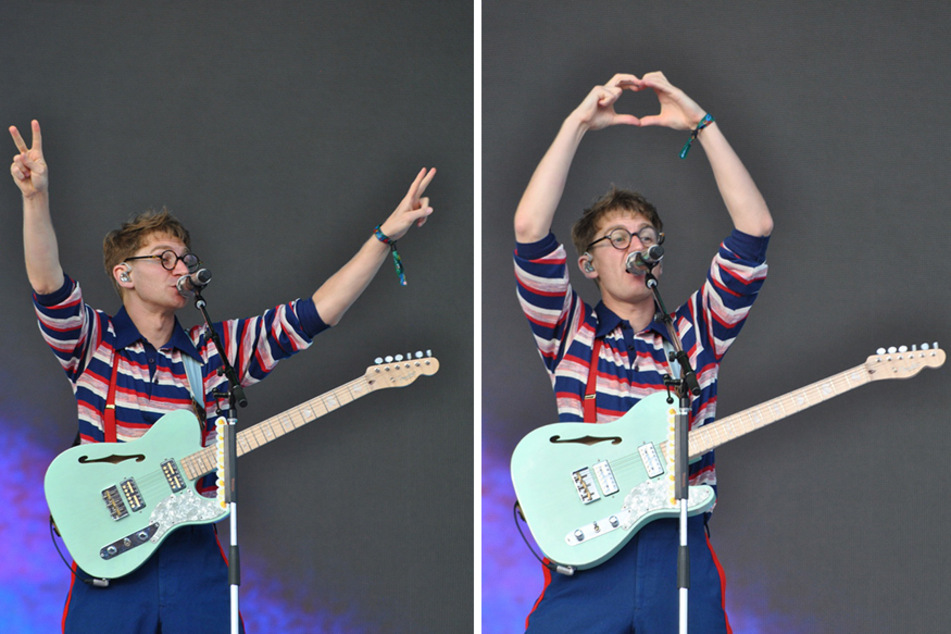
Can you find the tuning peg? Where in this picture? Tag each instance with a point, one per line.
(419, 354)
(399, 357)
(880, 351)
(892, 350)
(903, 349)
(378, 360)
(388, 359)
(925, 346)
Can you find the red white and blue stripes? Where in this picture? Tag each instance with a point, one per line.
(632, 365)
(152, 382)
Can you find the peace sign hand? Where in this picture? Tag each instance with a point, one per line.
(412, 209)
(29, 170)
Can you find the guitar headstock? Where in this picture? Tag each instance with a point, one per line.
(401, 370)
(902, 362)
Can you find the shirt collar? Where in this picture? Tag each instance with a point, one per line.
(127, 334)
(608, 320)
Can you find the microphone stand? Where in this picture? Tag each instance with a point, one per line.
(686, 386)
(229, 479)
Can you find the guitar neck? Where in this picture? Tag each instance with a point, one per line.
(726, 429)
(204, 462)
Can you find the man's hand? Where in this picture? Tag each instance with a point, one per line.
(412, 209)
(29, 169)
(677, 110)
(597, 110)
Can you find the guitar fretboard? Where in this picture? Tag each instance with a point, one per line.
(726, 429)
(205, 461)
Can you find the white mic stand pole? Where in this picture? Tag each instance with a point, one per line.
(686, 386)
(229, 481)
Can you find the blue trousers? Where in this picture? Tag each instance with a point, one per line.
(182, 588)
(636, 590)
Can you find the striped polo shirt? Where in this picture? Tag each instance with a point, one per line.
(151, 382)
(631, 365)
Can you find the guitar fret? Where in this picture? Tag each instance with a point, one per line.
(287, 424)
(243, 444)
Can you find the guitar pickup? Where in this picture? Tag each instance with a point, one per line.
(650, 459)
(173, 476)
(131, 491)
(128, 542)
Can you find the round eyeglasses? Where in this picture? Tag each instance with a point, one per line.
(170, 259)
(620, 238)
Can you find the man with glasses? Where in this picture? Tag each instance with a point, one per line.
(131, 368)
(617, 352)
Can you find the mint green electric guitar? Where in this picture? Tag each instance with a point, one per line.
(114, 503)
(585, 489)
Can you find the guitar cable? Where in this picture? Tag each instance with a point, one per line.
(559, 568)
(98, 583)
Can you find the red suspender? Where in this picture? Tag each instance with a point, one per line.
(591, 391)
(109, 415)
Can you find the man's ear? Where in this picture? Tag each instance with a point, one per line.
(586, 265)
(122, 275)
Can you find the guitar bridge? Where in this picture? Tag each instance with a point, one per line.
(115, 505)
(586, 478)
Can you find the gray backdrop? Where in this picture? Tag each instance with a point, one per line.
(832, 520)
(280, 133)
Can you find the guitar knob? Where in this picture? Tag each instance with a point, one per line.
(579, 535)
(614, 521)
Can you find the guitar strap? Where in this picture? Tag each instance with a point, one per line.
(591, 390)
(109, 415)
(193, 370)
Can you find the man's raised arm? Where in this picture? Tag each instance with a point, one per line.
(742, 198)
(536, 209)
(39, 239)
(341, 289)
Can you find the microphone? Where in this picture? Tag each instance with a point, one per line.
(640, 262)
(188, 284)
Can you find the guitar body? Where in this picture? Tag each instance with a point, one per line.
(114, 503)
(586, 489)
